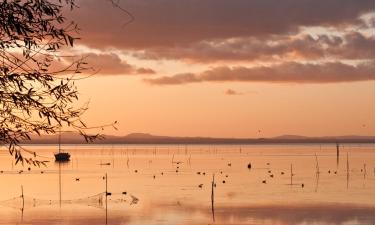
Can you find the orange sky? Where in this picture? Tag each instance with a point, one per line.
(230, 68)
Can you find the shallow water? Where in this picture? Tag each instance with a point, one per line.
(170, 184)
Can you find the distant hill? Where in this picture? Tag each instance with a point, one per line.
(144, 138)
(338, 138)
(288, 137)
(140, 135)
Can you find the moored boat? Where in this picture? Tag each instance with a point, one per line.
(62, 156)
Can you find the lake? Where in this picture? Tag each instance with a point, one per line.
(172, 184)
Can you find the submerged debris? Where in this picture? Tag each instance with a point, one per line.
(135, 200)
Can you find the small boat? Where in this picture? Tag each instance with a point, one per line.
(61, 156)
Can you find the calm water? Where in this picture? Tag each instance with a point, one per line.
(170, 184)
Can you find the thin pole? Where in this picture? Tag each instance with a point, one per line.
(364, 171)
(317, 164)
(347, 170)
(317, 173)
(212, 197)
(60, 184)
(23, 198)
(291, 174)
(106, 198)
(23, 203)
(106, 184)
(337, 154)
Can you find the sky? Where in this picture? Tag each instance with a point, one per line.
(220, 68)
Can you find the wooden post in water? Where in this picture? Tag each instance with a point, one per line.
(364, 171)
(106, 198)
(106, 184)
(23, 198)
(59, 184)
(23, 203)
(337, 154)
(347, 170)
(212, 197)
(291, 174)
(317, 173)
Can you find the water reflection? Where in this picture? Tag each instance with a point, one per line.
(334, 214)
(170, 214)
(303, 185)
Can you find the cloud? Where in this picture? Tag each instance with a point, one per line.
(234, 32)
(289, 72)
(353, 45)
(356, 46)
(109, 64)
(145, 71)
(232, 92)
(245, 49)
(170, 23)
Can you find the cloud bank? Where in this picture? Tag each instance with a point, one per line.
(290, 72)
(300, 41)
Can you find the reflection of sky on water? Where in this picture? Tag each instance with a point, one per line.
(170, 193)
(301, 214)
(171, 214)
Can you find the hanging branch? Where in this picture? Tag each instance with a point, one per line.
(35, 98)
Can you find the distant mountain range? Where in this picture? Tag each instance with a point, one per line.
(144, 138)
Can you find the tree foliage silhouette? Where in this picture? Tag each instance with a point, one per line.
(36, 97)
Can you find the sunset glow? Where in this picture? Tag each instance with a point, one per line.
(187, 112)
(230, 68)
